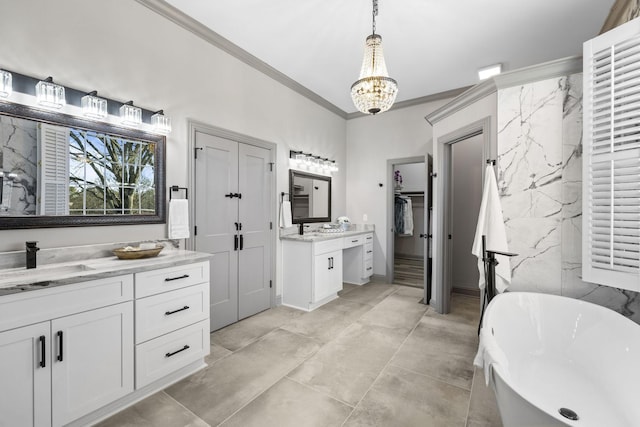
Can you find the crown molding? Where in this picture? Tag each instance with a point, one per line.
(173, 14)
(534, 73)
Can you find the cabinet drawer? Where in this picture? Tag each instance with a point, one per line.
(368, 252)
(368, 268)
(327, 246)
(352, 241)
(368, 238)
(168, 353)
(170, 278)
(159, 314)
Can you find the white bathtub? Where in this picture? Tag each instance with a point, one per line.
(549, 352)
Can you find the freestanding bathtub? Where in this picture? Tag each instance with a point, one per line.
(545, 355)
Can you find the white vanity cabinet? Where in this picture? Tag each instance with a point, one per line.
(312, 272)
(358, 259)
(74, 360)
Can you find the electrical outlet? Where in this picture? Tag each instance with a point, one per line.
(364, 218)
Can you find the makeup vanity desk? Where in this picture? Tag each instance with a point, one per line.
(316, 264)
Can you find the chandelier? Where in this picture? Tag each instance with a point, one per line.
(375, 91)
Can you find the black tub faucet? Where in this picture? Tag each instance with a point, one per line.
(32, 249)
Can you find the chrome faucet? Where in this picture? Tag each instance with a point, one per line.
(32, 249)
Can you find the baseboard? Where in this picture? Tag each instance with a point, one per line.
(378, 278)
(409, 256)
(467, 291)
(278, 300)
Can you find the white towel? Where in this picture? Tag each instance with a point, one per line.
(491, 224)
(285, 214)
(178, 222)
(490, 355)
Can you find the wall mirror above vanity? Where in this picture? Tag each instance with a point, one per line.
(58, 170)
(310, 196)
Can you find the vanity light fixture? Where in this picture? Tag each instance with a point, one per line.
(375, 92)
(161, 123)
(490, 71)
(6, 85)
(49, 94)
(130, 115)
(93, 106)
(312, 162)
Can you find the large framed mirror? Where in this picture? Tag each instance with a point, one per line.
(310, 197)
(58, 170)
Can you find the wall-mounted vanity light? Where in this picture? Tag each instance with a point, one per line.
(312, 162)
(160, 122)
(93, 106)
(49, 94)
(6, 85)
(130, 115)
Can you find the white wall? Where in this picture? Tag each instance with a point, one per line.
(414, 176)
(372, 140)
(126, 51)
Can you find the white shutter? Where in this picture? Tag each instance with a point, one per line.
(53, 170)
(611, 158)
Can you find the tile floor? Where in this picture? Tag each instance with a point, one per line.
(373, 357)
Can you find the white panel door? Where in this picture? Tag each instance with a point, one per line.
(327, 277)
(25, 376)
(92, 360)
(254, 264)
(216, 216)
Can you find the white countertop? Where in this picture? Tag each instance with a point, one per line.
(318, 236)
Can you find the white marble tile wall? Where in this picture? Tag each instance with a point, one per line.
(540, 180)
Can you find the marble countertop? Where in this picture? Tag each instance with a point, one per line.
(19, 280)
(318, 236)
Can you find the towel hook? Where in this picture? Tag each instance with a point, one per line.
(176, 188)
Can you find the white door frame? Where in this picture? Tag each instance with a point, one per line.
(196, 126)
(441, 283)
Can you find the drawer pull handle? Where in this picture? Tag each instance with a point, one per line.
(354, 241)
(186, 347)
(369, 238)
(43, 352)
(169, 279)
(60, 340)
(369, 252)
(168, 313)
(369, 268)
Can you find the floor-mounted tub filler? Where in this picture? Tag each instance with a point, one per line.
(558, 361)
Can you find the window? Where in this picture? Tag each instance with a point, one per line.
(611, 161)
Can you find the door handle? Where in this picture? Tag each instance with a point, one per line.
(235, 242)
(237, 224)
(241, 242)
(230, 195)
(43, 352)
(60, 340)
(238, 195)
(332, 263)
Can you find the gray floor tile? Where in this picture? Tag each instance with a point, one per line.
(442, 349)
(290, 404)
(346, 288)
(371, 293)
(464, 309)
(237, 335)
(217, 353)
(400, 398)
(409, 291)
(347, 366)
(158, 410)
(483, 409)
(327, 322)
(396, 311)
(218, 391)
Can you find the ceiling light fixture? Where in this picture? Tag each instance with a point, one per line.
(93, 106)
(375, 92)
(490, 71)
(50, 94)
(6, 84)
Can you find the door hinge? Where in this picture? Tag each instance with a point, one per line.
(270, 283)
(195, 230)
(270, 225)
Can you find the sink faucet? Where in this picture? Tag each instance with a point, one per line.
(31, 254)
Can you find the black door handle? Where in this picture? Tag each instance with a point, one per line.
(186, 347)
(237, 223)
(238, 195)
(329, 263)
(43, 352)
(241, 242)
(239, 226)
(230, 195)
(235, 242)
(169, 313)
(60, 340)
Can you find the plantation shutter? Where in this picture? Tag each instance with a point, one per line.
(611, 158)
(53, 170)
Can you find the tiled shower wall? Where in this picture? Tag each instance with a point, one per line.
(540, 181)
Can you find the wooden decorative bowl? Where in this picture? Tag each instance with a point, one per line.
(137, 253)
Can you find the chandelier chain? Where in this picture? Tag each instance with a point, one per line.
(374, 13)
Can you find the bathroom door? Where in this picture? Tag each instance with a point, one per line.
(233, 223)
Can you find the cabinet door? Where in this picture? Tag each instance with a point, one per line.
(327, 275)
(25, 376)
(92, 360)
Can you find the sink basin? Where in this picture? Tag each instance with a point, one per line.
(45, 272)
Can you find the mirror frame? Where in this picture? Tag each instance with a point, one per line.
(293, 173)
(51, 221)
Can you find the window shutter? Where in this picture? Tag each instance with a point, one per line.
(53, 170)
(611, 158)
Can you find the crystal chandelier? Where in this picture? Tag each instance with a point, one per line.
(375, 91)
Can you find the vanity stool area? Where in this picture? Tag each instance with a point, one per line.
(317, 263)
(81, 340)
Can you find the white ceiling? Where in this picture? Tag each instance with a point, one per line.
(430, 46)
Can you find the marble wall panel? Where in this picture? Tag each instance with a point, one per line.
(18, 144)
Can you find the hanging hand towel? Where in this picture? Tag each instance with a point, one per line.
(491, 224)
(285, 214)
(178, 223)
